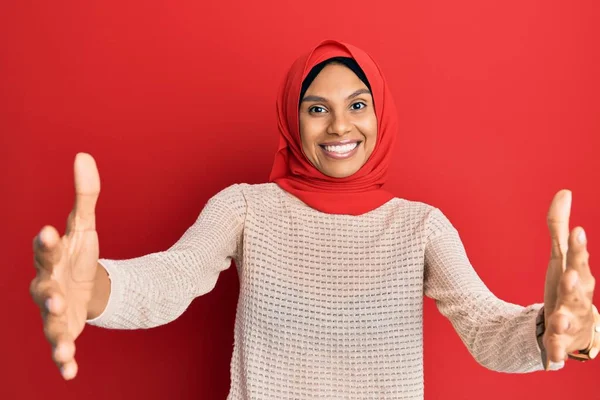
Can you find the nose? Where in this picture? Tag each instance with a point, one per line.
(340, 124)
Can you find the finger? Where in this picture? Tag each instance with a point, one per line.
(69, 370)
(558, 324)
(568, 289)
(63, 352)
(578, 256)
(573, 302)
(558, 223)
(556, 347)
(575, 313)
(87, 190)
(47, 295)
(55, 328)
(47, 249)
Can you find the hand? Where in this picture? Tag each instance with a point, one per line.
(66, 267)
(569, 312)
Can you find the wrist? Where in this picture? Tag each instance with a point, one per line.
(100, 293)
(540, 329)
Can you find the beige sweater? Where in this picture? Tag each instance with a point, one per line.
(330, 306)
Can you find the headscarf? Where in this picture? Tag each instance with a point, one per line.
(293, 172)
(349, 63)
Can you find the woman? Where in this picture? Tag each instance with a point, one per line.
(332, 267)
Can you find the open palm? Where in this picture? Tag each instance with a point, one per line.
(569, 289)
(66, 267)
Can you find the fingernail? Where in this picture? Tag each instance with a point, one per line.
(581, 236)
(593, 353)
(597, 329)
(48, 304)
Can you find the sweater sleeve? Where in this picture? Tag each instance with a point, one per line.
(500, 336)
(157, 288)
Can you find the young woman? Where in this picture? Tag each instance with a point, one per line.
(332, 267)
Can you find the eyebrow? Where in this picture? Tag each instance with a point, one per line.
(324, 100)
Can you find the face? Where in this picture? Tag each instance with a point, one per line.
(338, 125)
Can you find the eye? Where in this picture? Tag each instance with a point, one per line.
(359, 105)
(316, 110)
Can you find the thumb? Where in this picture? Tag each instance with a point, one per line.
(87, 190)
(558, 223)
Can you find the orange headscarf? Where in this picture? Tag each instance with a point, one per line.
(294, 173)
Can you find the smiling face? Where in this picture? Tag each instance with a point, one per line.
(338, 125)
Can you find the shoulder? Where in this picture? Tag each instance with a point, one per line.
(412, 205)
(244, 193)
(430, 219)
(413, 208)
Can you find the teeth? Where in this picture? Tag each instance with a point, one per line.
(341, 149)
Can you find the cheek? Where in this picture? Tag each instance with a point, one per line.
(309, 134)
(368, 128)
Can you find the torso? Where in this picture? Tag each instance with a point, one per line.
(330, 305)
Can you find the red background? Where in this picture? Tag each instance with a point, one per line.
(499, 109)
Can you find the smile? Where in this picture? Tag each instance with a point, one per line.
(340, 151)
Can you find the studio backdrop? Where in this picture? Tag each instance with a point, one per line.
(498, 105)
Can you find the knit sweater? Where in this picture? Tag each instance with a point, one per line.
(330, 306)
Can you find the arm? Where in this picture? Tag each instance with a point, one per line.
(500, 336)
(157, 288)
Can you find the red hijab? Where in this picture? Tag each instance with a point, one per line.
(293, 172)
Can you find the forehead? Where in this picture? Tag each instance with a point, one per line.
(336, 77)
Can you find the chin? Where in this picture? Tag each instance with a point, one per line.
(339, 172)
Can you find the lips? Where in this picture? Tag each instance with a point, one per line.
(341, 149)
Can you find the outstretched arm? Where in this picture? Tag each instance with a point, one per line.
(500, 336)
(157, 288)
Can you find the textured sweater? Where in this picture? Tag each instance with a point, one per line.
(330, 306)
